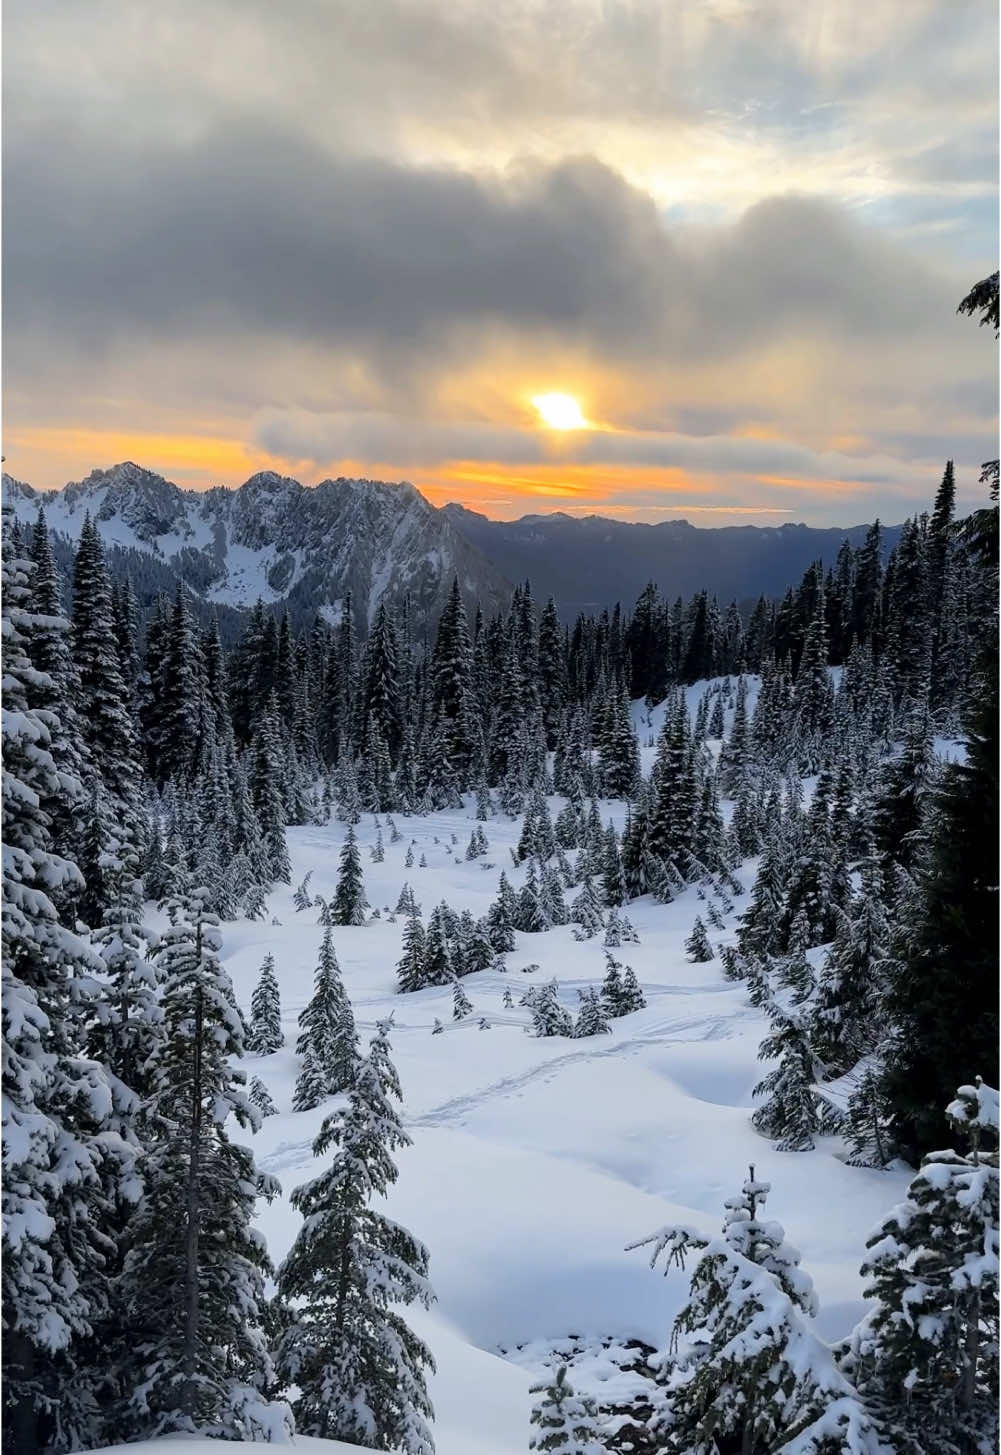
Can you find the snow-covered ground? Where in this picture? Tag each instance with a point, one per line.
(536, 1160)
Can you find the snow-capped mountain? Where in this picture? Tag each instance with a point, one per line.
(278, 540)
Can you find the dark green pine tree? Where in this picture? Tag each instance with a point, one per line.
(49, 634)
(501, 917)
(613, 881)
(865, 612)
(348, 904)
(104, 712)
(453, 697)
(328, 1042)
(379, 696)
(670, 820)
(552, 672)
(697, 946)
(942, 991)
(264, 782)
(843, 1015)
(193, 1281)
(438, 967)
(790, 1114)
(173, 736)
(619, 758)
(265, 1034)
(901, 793)
(360, 1370)
(411, 971)
(814, 697)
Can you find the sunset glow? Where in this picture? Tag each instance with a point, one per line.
(656, 253)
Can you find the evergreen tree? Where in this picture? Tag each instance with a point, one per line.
(942, 991)
(461, 1004)
(438, 967)
(592, 1017)
(193, 1281)
(790, 1114)
(843, 1013)
(585, 912)
(745, 1370)
(103, 709)
(567, 1422)
(619, 756)
(548, 1016)
(260, 1097)
(411, 971)
(348, 904)
(62, 1171)
(632, 996)
(613, 882)
(501, 917)
(327, 1039)
(697, 946)
(925, 1356)
(452, 695)
(611, 989)
(56, 689)
(264, 779)
(265, 1034)
(359, 1369)
(126, 1031)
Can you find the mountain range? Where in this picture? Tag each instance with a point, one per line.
(307, 546)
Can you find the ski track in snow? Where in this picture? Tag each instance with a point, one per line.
(455, 1111)
(452, 1111)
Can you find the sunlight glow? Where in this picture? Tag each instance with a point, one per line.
(559, 411)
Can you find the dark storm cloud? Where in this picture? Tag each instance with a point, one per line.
(259, 231)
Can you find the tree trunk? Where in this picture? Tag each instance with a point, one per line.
(193, 1211)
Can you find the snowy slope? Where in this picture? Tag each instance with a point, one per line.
(535, 1161)
(278, 540)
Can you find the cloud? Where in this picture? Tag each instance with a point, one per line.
(369, 226)
(255, 231)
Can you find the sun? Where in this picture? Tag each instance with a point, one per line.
(559, 411)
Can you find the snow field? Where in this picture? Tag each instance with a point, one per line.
(535, 1161)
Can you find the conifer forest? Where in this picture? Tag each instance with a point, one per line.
(392, 999)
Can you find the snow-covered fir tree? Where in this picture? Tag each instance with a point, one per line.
(697, 946)
(925, 1356)
(549, 1017)
(193, 1279)
(411, 970)
(328, 1043)
(564, 1423)
(264, 1034)
(592, 1017)
(359, 1369)
(348, 904)
(744, 1369)
(64, 1166)
(260, 1097)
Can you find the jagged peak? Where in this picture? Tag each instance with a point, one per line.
(269, 481)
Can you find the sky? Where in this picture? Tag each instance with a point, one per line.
(361, 237)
